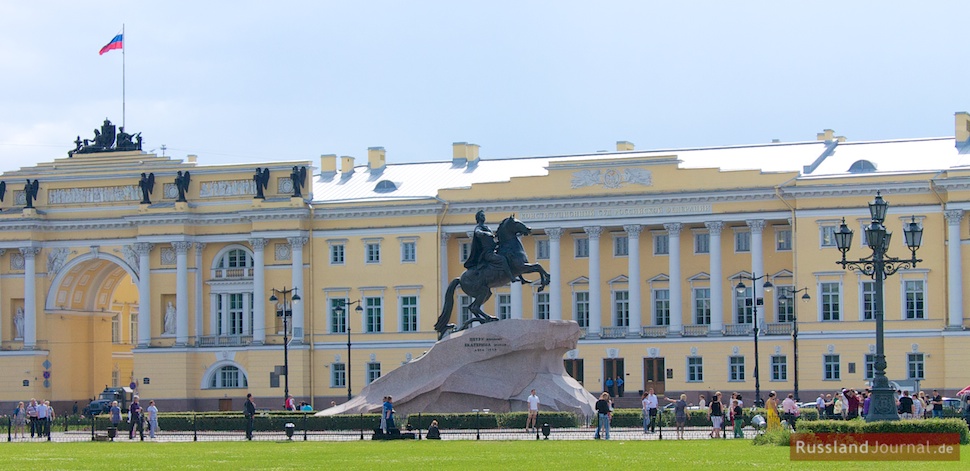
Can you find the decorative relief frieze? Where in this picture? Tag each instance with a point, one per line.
(167, 255)
(55, 260)
(612, 178)
(19, 198)
(17, 261)
(109, 194)
(170, 191)
(283, 251)
(284, 185)
(227, 188)
(614, 211)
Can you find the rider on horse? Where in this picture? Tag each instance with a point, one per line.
(483, 249)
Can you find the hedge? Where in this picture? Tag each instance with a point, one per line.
(695, 418)
(895, 426)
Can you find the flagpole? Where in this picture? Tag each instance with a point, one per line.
(122, 75)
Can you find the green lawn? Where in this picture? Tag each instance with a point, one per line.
(424, 455)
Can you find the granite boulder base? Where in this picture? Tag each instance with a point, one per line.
(492, 366)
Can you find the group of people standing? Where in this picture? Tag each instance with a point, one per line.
(36, 415)
(719, 413)
(137, 416)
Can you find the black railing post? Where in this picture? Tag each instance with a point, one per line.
(535, 425)
(304, 426)
(9, 425)
(195, 428)
(478, 426)
(660, 423)
(361, 425)
(94, 425)
(419, 425)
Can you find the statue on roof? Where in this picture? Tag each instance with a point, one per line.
(262, 181)
(30, 191)
(299, 180)
(105, 141)
(182, 185)
(147, 185)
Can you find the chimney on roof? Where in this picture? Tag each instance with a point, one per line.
(463, 152)
(346, 165)
(962, 119)
(825, 135)
(624, 145)
(376, 159)
(328, 164)
(192, 158)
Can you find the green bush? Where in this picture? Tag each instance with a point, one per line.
(265, 421)
(896, 426)
(780, 437)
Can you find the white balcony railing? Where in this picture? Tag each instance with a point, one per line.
(653, 331)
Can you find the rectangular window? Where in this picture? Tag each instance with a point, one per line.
(409, 313)
(742, 241)
(915, 308)
(338, 323)
(236, 314)
(661, 244)
(831, 368)
(464, 250)
(743, 308)
(661, 306)
(702, 243)
(337, 254)
(373, 252)
(870, 364)
(827, 235)
(409, 251)
(542, 249)
(736, 368)
(116, 328)
(868, 300)
(582, 248)
(702, 306)
(621, 246)
(374, 314)
(695, 369)
(621, 308)
(338, 375)
(373, 372)
(779, 368)
(783, 240)
(915, 366)
(504, 306)
(133, 327)
(542, 305)
(831, 308)
(581, 308)
(464, 314)
(786, 303)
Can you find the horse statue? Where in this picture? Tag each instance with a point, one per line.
(478, 282)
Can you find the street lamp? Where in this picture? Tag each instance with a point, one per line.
(339, 311)
(285, 311)
(790, 298)
(740, 288)
(879, 266)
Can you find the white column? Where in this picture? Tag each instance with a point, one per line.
(758, 266)
(296, 246)
(515, 290)
(259, 291)
(145, 311)
(214, 316)
(198, 309)
(717, 277)
(181, 292)
(595, 298)
(555, 282)
(224, 322)
(30, 294)
(443, 263)
(676, 295)
(954, 269)
(633, 260)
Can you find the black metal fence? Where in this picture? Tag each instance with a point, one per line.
(190, 427)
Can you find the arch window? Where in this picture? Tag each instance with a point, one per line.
(233, 264)
(228, 377)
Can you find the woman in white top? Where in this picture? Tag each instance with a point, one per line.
(152, 419)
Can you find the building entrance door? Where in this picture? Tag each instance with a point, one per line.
(654, 375)
(613, 369)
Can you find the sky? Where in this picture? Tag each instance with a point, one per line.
(254, 81)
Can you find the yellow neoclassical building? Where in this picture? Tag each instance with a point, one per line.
(120, 266)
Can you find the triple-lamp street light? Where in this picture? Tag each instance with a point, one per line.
(339, 311)
(789, 298)
(740, 288)
(285, 310)
(882, 406)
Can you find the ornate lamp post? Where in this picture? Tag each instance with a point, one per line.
(790, 297)
(740, 288)
(285, 310)
(339, 311)
(879, 266)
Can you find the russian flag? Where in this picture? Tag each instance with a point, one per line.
(116, 43)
